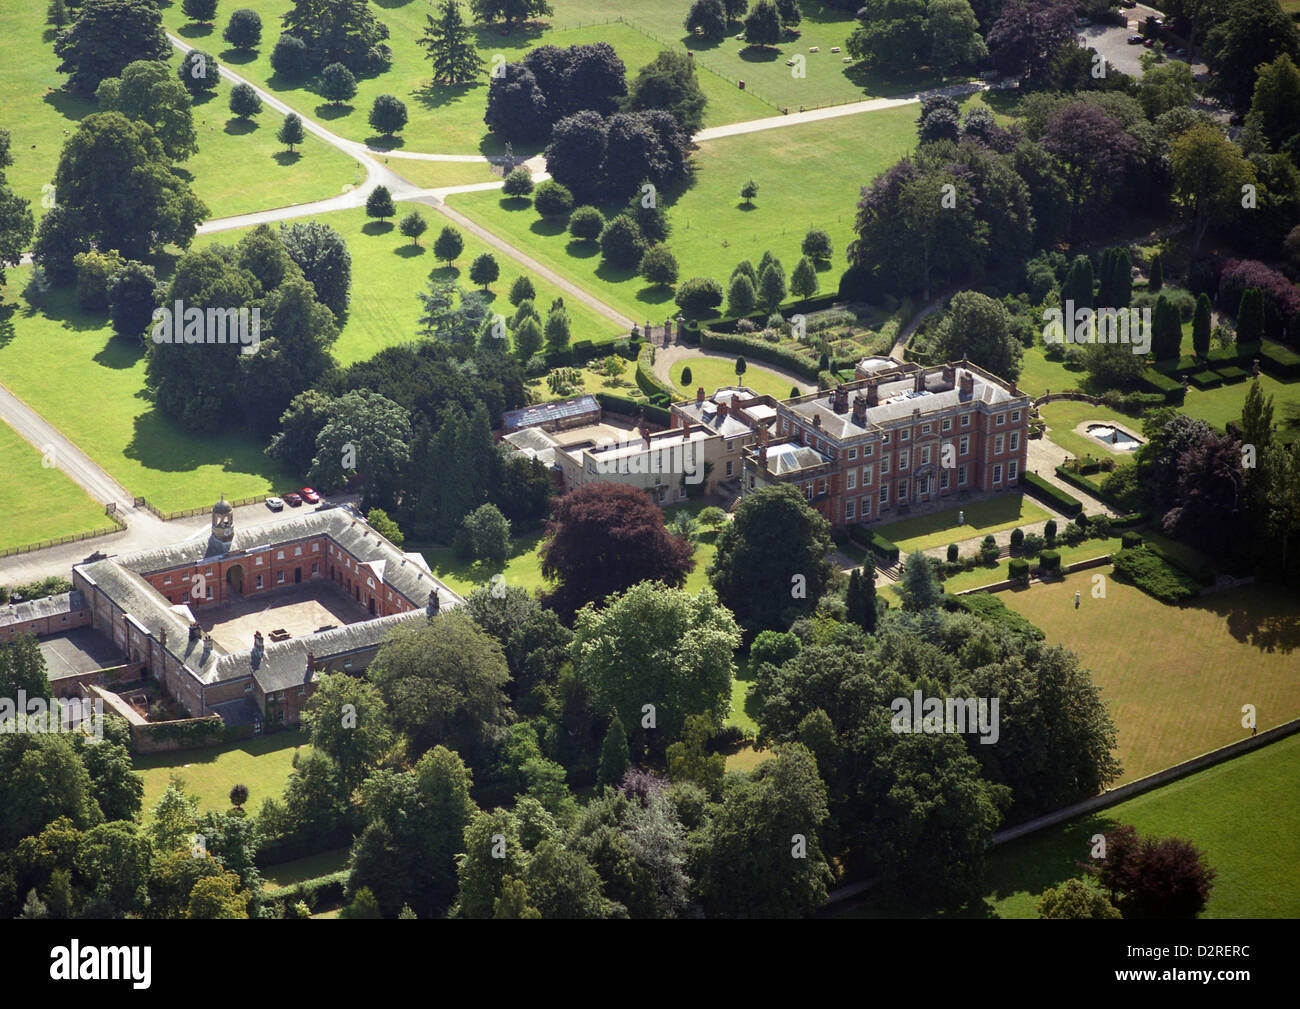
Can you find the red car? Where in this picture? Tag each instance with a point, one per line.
(309, 495)
(292, 500)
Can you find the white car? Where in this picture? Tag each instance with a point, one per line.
(276, 504)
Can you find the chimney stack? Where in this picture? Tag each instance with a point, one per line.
(873, 393)
(966, 385)
(817, 421)
(258, 644)
(919, 381)
(699, 395)
(860, 410)
(1013, 388)
(949, 375)
(645, 434)
(311, 662)
(724, 408)
(841, 400)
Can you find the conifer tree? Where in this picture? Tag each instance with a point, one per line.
(450, 46)
(1201, 325)
(614, 760)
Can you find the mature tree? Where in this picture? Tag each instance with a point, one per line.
(449, 44)
(323, 257)
(955, 40)
(516, 106)
(244, 101)
(132, 297)
(659, 266)
(940, 119)
(552, 200)
(106, 36)
(290, 58)
(763, 25)
(348, 721)
(558, 329)
(115, 176)
(22, 667)
(1250, 316)
(1272, 108)
(484, 270)
(772, 288)
(204, 11)
(522, 289)
(699, 296)
(1201, 325)
(604, 538)
(1093, 150)
(707, 18)
(761, 854)
(1208, 174)
(817, 246)
(577, 149)
(1075, 899)
(291, 131)
(444, 683)
(859, 598)
(484, 535)
(1029, 33)
(244, 30)
(803, 282)
(586, 223)
(528, 338)
(509, 12)
(613, 754)
(670, 83)
(366, 435)
(1154, 878)
(340, 31)
(388, 115)
(892, 34)
(147, 93)
(919, 589)
(621, 243)
(43, 779)
(978, 328)
(338, 85)
(741, 297)
(493, 854)
(16, 223)
(519, 183)
(641, 146)
(1246, 35)
(659, 646)
(771, 559)
(198, 72)
(380, 204)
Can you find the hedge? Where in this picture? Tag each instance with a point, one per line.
(876, 543)
(989, 607)
(1202, 573)
(1154, 575)
(1036, 486)
(759, 350)
(1018, 569)
(1283, 363)
(1049, 561)
(1170, 388)
(1205, 379)
(1130, 539)
(646, 379)
(319, 893)
(633, 408)
(1231, 373)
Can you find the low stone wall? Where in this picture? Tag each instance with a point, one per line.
(75, 685)
(180, 734)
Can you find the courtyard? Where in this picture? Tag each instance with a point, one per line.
(297, 609)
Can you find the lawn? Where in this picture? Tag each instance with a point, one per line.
(1038, 375)
(388, 272)
(440, 174)
(1241, 814)
(262, 763)
(238, 168)
(322, 864)
(936, 529)
(592, 380)
(443, 119)
(1219, 406)
(39, 502)
(714, 372)
(712, 228)
(67, 365)
(1175, 678)
(1064, 416)
(523, 568)
(999, 572)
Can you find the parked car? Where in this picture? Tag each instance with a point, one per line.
(1180, 51)
(309, 495)
(276, 504)
(1148, 42)
(1082, 22)
(292, 500)
(1135, 40)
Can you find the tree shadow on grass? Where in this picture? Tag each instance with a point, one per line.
(385, 142)
(409, 251)
(286, 158)
(194, 30)
(445, 273)
(7, 331)
(70, 107)
(119, 354)
(548, 227)
(238, 57)
(614, 274)
(576, 249)
(760, 54)
(238, 127)
(746, 206)
(1263, 625)
(654, 294)
(160, 445)
(434, 96)
(514, 204)
(377, 227)
(330, 111)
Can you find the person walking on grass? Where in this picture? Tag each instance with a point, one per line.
(1076, 599)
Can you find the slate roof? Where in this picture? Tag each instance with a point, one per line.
(38, 609)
